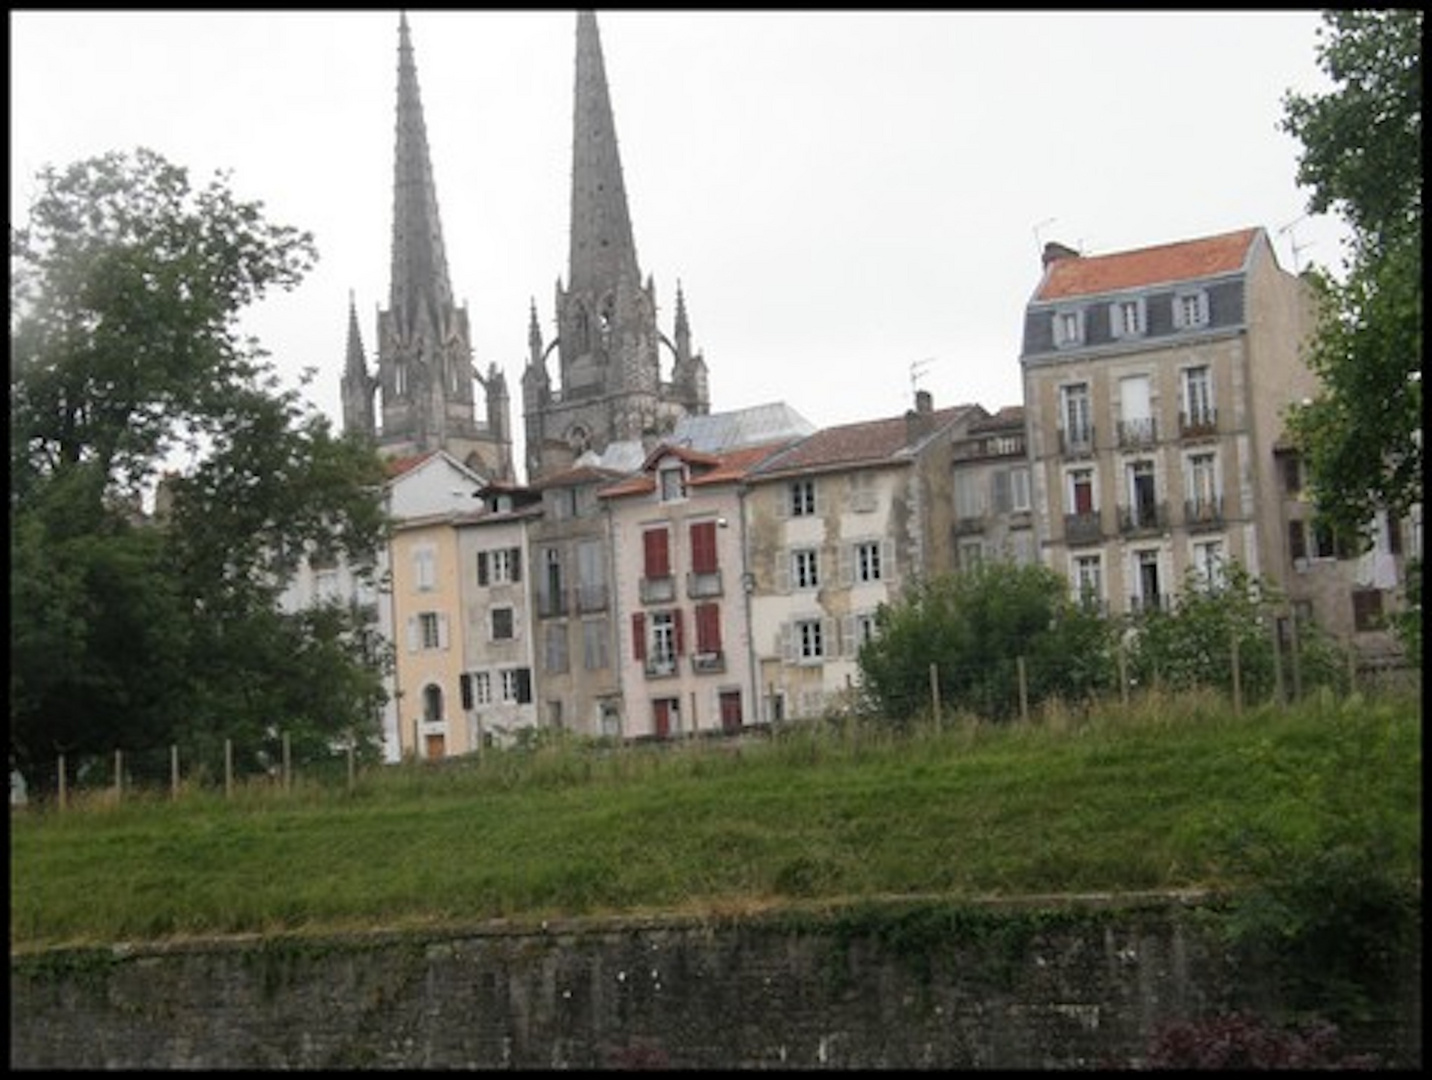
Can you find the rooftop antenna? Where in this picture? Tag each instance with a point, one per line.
(1293, 244)
(1038, 229)
(916, 370)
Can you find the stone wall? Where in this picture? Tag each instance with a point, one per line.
(1073, 985)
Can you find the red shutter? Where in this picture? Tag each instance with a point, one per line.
(638, 636)
(703, 547)
(676, 631)
(708, 628)
(658, 564)
(1083, 497)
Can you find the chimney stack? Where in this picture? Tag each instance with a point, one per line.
(1054, 251)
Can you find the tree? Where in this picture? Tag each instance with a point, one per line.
(974, 626)
(131, 629)
(1191, 644)
(1361, 435)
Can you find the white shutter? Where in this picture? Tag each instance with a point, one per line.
(827, 638)
(847, 635)
(412, 633)
(442, 631)
(887, 560)
(844, 563)
(788, 643)
(783, 571)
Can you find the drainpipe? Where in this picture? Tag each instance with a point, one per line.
(748, 584)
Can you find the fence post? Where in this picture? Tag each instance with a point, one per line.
(228, 768)
(1278, 688)
(351, 769)
(62, 781)
(935, 694)
(1023, 689)
(287, 767)
(1123, 655)
(1294, 648)
(174, 770)
(1237, 675)
(118, 774)
(1351, 668)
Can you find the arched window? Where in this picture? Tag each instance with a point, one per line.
(432, 703)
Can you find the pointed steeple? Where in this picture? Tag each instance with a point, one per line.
(357, 385)
(602, 248)
(420, 273)
(683, 328)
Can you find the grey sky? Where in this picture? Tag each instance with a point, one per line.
(842, 195)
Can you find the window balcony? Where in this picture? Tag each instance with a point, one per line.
(1076, 442)
(658, 590)
(660, 667)
(1140, 519)
(703, 585)
(1143, 605)
(1083, 528)
(708, 663)
(1204, 513)
(1198, 424)
(969, 526)
(1137, 433)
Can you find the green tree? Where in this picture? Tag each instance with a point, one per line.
(129, 629)
(974, 627)
(1190, 645)
(1361, 435)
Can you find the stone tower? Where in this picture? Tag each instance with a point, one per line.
(425, 367)
(608, 344)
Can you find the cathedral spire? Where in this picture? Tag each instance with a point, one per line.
(602, 248)
(357, 386)
(420, 273)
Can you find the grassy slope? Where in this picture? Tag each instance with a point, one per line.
(1137, 799)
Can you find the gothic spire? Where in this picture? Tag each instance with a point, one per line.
(357, 385)
(602, 248)
(420, 273)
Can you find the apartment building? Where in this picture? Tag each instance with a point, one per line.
(834, 525)
(990, 485)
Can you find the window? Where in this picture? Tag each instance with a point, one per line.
(424, 567)
(1143, 499)
(729, 702)
(516, 685)
(1292, 469)
(805, 568)
(1367, 609)
(1081, 491)
(1010, 490)
(432, 704)
(1136, 418)
(551, 595)
(662, 648)
(971, 554)
(1146, 564)
(594, 644)
(863, 496)
(427, 630)
(1068, 328)
(1203, 479)
(1199, 411)
(1190, 310)
(673, 483)
(1126, 318)
(591, 576)
(802, 496)
(867, 561)
(656, 553)
(1208, 563)
(1089, 579)
(502, 624)
(1297, 541)
(1077, 416)
(1326, 544)
(810, 644)
(499, 566)
(325, 585)
(969, 503)
(555, 648)
(708, 628)
(482, 687)
(703, 547)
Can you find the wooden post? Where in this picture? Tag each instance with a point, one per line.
(1123, 672)
(118, 775)
(228, 768)
(1278, 689)
(935, 695)
(287, 764)
(1351, 668)
(1294, 649)
(174, 770)
(1023, 689)
(62, 781)
(1237, 675)
(352, 771)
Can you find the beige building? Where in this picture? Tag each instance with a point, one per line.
(834, 526)
(1155, 386)
(993, 504)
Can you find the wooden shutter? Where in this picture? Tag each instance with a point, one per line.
(524, 685)
(656, 553)
(676, 633)
(464, 682)
(516, 563)
(482, 568)
(703, 547)
(708, 628)
(1297, 540)
(638, 636)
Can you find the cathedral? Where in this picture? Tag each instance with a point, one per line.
(609, 386)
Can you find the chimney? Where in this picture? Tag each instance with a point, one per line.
(1054, 251)
(920, 420)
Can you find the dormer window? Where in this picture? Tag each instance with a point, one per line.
(673, 483)
(1190, 309)
(1127, 318)
(1068, 328)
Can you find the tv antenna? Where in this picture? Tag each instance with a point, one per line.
(1038, 229)
(1293, 244)
(916, 370)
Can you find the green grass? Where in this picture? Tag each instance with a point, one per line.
(1171, 794)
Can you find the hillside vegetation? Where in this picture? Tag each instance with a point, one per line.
(1164, 793)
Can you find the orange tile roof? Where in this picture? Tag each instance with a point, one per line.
(396, 467)
(722, 468)
(1086, 275)
(862, 443)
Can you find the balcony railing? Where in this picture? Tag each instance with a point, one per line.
(967, 526)
(1204, 513)
(1083, 528)
(658, 667)
(550, 604)
(1143, 605)
(1135, 433)
(658, 590)
(706, 663)
(701, 585)
(1143, 518)
(1076, 442)
(1198, 423)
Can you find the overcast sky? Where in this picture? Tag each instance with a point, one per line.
(854, 202)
